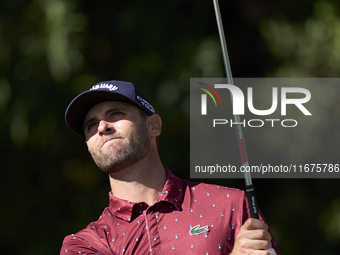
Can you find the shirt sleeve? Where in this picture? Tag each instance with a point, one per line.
(74, 244)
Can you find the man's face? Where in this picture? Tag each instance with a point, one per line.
(116, 135)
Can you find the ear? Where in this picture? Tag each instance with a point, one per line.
(154, 125)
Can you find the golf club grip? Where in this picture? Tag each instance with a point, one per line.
(250, 193)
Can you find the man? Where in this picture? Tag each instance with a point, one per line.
(151, 211)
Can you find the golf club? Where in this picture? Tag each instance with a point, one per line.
(249, 189)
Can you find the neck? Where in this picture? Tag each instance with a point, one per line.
(142, 182)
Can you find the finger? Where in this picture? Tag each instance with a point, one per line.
(255, 244)
(251, 224)
(258, 234)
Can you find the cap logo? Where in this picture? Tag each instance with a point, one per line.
(104, 86)
(146, 104)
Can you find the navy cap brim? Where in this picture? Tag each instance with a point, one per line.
(80, 105)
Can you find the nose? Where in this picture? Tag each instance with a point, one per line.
(105, 127)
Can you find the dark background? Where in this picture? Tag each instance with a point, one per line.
(51, 50)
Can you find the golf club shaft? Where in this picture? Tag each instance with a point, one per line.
(249, 189)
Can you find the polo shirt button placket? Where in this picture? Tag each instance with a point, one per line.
(152, 230)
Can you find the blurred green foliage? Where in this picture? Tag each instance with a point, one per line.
(50, 50)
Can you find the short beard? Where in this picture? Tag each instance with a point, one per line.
(136, 147)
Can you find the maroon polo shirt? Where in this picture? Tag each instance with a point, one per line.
(188, 218)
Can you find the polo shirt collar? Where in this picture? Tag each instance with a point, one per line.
(171, 193)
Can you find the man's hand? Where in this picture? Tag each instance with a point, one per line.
(253, 238)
